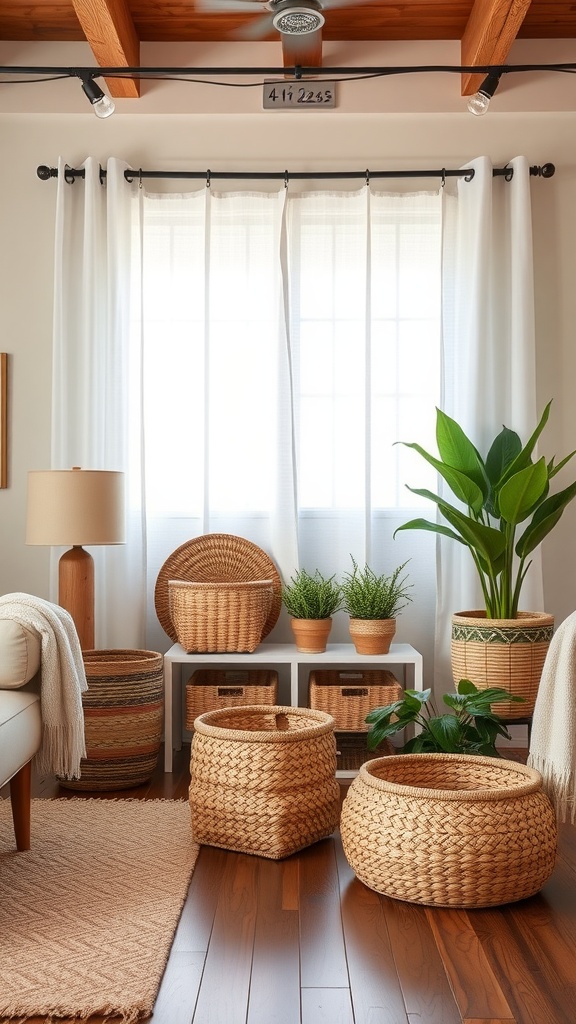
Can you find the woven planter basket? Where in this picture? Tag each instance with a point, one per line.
(209, 689)
(219, 617)
(349, 695)
(449, 829)
(123, 719)
(502, 652)
(263, 779)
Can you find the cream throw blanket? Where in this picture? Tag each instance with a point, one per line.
(553, 741)
(62, 682)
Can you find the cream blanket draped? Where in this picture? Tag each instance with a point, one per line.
(553, 741)
(63, 680)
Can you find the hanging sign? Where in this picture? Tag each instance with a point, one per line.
(284, 95)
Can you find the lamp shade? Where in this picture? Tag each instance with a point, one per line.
(75, 507)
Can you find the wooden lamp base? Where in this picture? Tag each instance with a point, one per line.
(76, 592)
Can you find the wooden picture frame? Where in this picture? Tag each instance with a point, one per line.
(3, 419)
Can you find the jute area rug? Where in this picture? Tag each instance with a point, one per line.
(88, 915)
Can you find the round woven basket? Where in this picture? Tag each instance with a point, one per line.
(502, 652)
(123, 718)
(449, 829)
(263, 779)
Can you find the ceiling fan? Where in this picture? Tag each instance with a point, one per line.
(299, 23)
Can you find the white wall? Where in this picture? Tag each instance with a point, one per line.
(411, 121)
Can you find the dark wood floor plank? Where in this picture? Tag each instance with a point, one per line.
(323, 956)
(179, 989)
(223, 996)
(423, 980)
(197, 918)
(476, 988)
(275, 981)
(326, 1006)
(374, 983)
(523, 981)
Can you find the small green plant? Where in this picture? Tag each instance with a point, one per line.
(470, 727)
(498, 492)
(309, 596)
(369, 596)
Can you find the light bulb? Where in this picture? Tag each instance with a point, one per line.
(104, 106)
(478, 103)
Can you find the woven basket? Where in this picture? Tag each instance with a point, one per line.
(349, 696)
(123, 718)
(263, 779)
(209, 689)
(219, 617)
(449, 829)
(502, 652)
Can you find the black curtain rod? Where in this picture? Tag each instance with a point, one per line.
(71, 173)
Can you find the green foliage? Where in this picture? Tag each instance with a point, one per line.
(500, 492)
(311, 597)
(368, 596)
(470, 727)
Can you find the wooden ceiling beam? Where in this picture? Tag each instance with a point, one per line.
(110, 32)
(491, 29)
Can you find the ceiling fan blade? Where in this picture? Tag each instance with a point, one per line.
(231, 6)
(257, 29)
(304, 50)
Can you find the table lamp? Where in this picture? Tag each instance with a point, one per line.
(76, 506)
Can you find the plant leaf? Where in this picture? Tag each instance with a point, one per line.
(504, 449)
(544, 519)
(464, 488)
(456, 450)
(425, 524)
(466, 686)
(524, 457)
(522, 492)
(445, 730)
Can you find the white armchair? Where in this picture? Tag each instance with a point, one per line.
(20, 718)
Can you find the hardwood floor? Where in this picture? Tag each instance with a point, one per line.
(301, 941)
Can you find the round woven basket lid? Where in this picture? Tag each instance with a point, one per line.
(216, 558)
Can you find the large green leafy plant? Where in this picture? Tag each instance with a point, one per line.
(500, 493)
(470, 727)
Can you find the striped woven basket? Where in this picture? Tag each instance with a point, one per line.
(449, 829)
(123, 719)
(263, 779)
(349, 695)
(509, 653)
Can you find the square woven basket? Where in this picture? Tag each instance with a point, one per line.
(210, 689)
(349, 695)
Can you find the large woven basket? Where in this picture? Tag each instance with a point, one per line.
(123, 719)
(509, 653)
(449, 829)
(349, 695)
(209, 689)
(263, 779)
(219, 617)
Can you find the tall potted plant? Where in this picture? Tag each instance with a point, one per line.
(506, 510)
(373, 602)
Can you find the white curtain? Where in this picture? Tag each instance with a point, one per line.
(96, 395)
(249, 359)
(489, 363)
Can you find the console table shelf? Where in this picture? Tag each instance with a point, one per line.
(271, 656)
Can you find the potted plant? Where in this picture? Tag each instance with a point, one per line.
(507, 512)
(470, 727)
(373, 601)
(311, 600)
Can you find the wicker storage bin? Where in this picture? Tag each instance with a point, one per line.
(219, 617)
(123, 718)
(209, 689)
(349, 695)
(449, 829)
(263, 779)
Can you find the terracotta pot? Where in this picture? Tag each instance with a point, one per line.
(372, 636)
(509, 653)
(311, 635)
